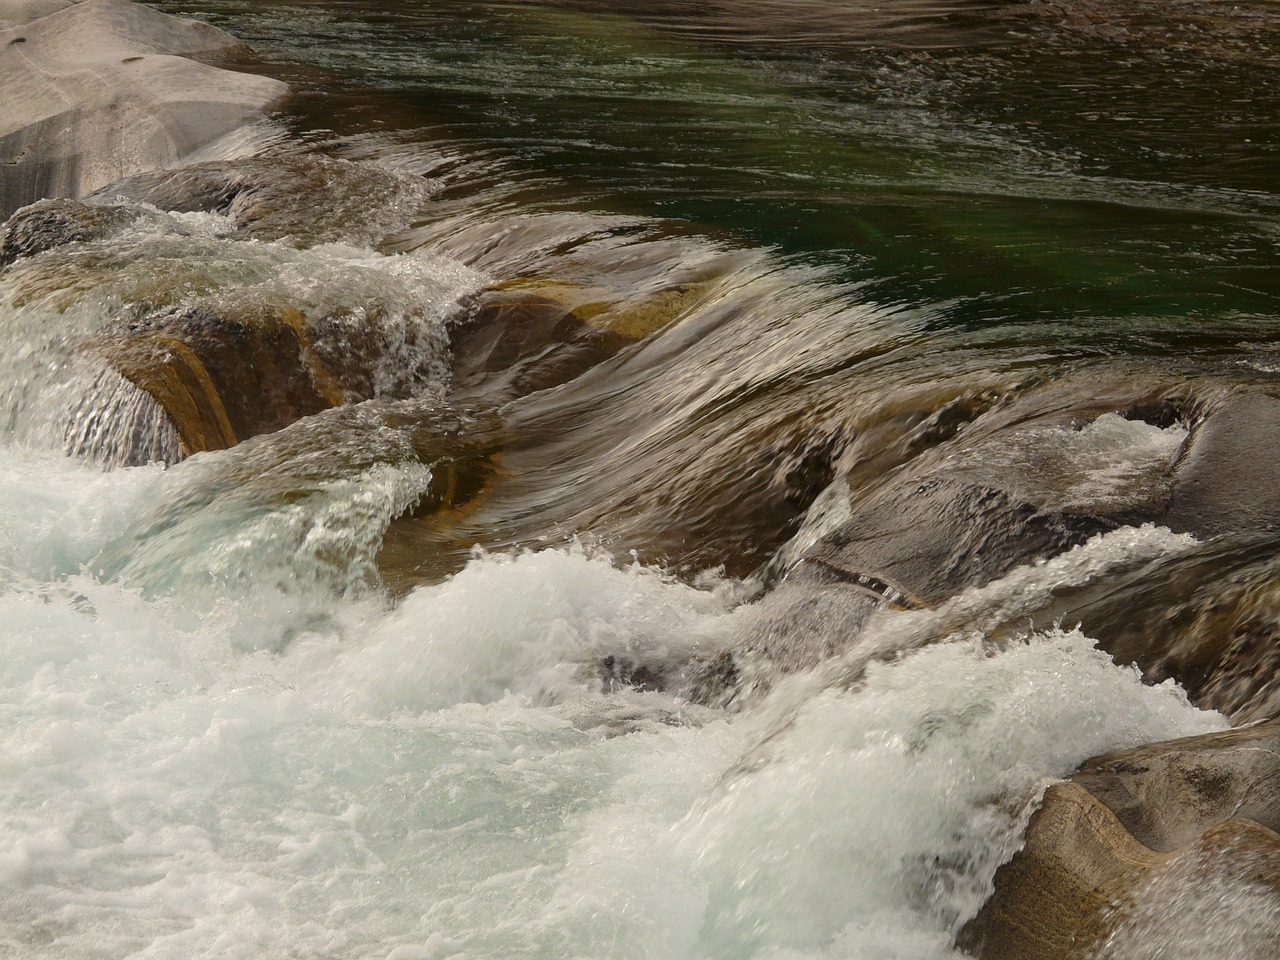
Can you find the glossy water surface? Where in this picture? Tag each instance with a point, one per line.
(272, 701)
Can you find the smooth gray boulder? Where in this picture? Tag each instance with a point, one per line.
(99, 90)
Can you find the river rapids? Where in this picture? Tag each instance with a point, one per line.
(419, 648)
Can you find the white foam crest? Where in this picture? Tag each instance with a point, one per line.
(1015, 597)
(876, 827)
(57, 513)
(1029, 588)
(167, 794)
(278, 565)
(527, 625)
(842, 629)
(274, 558)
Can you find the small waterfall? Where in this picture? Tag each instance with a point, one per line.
(114, 423)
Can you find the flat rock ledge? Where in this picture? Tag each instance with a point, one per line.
(1113, 851)
(99, 90)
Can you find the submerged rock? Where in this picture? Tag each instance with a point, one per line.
(98, 90)
(1021, 496)
(48, 224)
(510, 343)
(304, 199)
(1205, 617)
(918, 546)
(1110, 850)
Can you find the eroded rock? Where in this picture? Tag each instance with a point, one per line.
(1110, 845)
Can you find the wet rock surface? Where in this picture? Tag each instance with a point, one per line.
(1206, 618)
(1107, 848)
(1226, 481)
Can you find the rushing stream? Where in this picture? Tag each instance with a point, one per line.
(371, 683)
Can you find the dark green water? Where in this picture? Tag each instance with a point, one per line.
(899, 207)
(987, 157)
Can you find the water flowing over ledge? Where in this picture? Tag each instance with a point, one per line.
(584, 480)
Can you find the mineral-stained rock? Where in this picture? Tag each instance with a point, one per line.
(223, 379)
(102, 89)
(224, 375)
(1125, 828)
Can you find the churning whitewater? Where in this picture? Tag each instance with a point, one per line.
(594, 481)
(205, 768)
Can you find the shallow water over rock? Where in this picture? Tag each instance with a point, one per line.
(641, 480)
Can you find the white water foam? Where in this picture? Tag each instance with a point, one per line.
(427, 781)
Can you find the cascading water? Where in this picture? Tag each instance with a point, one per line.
(395, 657)
(444, 778)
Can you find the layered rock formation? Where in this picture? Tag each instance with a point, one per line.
(97, 90)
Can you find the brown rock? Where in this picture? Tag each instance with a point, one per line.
(511, 342)
(1106, 847)
(223, 379)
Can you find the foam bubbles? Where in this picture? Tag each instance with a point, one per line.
(527, 625)
(433, 779)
